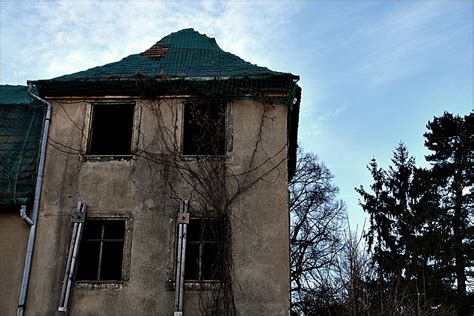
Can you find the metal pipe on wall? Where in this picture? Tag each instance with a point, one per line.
(36, 203)
(25, 217)
(69, 275)
(182, 221)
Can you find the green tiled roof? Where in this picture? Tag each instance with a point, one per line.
(185, 55)
(20, 132)
(189, 55)
(14, 95)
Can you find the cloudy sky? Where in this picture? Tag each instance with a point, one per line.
(373, 73)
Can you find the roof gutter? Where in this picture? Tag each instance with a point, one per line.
(36, 203)
(280, 76)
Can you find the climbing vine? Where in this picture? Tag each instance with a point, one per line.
(212, 185)
(212, 181)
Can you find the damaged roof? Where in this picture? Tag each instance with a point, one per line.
(21, 122)
(185, 55)
(185, 63)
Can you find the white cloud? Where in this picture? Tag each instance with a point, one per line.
(398, 43)
(320, 124)
(50, 39)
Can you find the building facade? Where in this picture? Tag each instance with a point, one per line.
(182, 129)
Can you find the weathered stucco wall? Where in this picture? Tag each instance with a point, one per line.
(149, 200)
(13, 240)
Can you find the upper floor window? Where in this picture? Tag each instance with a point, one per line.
(204, 128)
(111, 129)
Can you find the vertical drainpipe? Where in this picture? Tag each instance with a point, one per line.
(36, 203)
(182, 221)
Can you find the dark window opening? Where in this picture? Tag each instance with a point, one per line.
(111, 129)
(203, 250)
(101, 251)
(204, 128)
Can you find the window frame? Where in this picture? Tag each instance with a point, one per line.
(126, 254)
(228, 128)
(88, 126)
(201, 244)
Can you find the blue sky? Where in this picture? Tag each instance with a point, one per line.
(373, 73)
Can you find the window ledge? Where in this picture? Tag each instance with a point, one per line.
(107, 157)
(207, 157)
(99, 285)
(195, 285)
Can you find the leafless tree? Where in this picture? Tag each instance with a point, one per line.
(317, 226)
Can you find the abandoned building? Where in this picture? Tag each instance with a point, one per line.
(155, 185)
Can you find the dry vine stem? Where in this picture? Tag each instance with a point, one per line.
(212, 183)
(209, 181)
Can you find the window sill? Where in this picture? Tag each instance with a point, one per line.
(194, 285)
(207, 157)
(99, 285)
(107, 157)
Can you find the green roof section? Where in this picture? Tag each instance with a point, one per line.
(185, 62)
(21, 122)
(14, 95)
(183, 54)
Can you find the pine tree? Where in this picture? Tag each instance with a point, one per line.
(450, 139)
(421, 231)
(407, 233)
(391, 235)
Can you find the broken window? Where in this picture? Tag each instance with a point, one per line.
(204, 128)
(111, 129)
(101, 251)
(203, 250)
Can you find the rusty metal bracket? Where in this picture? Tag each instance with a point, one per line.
(183, 218)
(79, 216)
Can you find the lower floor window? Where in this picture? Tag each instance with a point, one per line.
(101, 251)
(204, 250)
